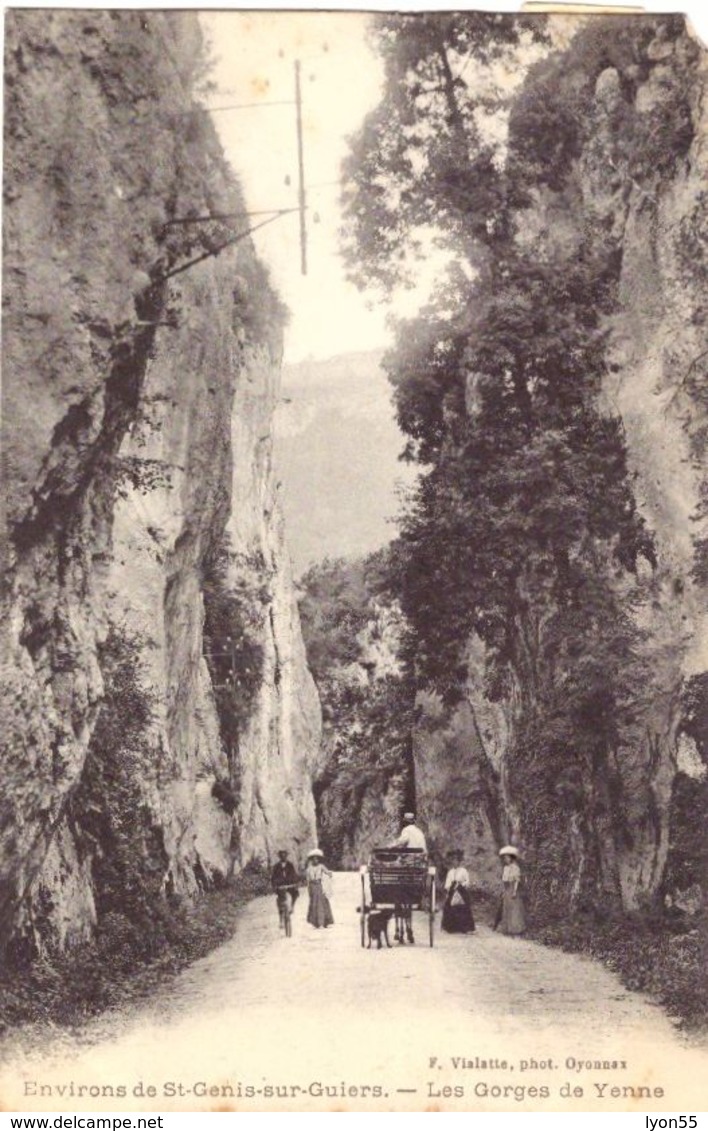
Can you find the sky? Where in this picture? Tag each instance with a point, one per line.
(253, 63)
(341, 81)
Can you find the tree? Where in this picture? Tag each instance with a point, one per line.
(427, 156)
(355, 638)
(522, 530)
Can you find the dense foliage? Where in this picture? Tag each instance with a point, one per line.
(114, 824)
(126, 960)
(687, 865)
(523, 528)
(356, 646)
(426, 156)
(236, 590)
(652, 957)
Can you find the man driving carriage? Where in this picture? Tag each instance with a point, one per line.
(411, 836)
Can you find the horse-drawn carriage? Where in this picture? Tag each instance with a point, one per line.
(400, 880)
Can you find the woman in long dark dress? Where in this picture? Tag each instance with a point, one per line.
(319, 912)
(457, 910)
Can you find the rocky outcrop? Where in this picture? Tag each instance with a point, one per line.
(456, 794)
(641, 178)
(629, 187)
(137, 415)
(354, 636)
(660, 365)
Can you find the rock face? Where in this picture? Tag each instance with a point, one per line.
(137, 415)
(637, 180)
(654, 207)
(455, 791)
(659, 350)
(354, 633)
(365, 780)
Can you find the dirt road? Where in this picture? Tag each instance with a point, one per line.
(315, 1022)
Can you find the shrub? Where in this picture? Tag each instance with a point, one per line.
(114, 823)
(236, 590)
(660, 959)
(126, 960)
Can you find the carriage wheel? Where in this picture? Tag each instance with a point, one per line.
(431, 910)
(362, 913)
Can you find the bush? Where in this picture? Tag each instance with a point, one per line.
(236, 589)
(224, 795)
(126, 960)
(115, 825)
(664, 960)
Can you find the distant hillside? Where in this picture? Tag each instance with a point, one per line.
(337, 447)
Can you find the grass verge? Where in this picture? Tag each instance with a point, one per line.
(126, 960)
(657, 958)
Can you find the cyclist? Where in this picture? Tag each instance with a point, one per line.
(284, 878)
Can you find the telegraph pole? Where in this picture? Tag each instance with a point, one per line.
(271, 214)
(302, 204)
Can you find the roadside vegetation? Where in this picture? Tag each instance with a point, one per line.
(525, 532)
(126, 960)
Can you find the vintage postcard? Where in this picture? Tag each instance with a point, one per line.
(355, 646)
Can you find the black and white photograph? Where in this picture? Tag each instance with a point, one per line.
(354, 696)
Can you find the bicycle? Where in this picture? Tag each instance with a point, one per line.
(285, 910)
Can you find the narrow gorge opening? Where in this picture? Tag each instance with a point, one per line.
(432, 540)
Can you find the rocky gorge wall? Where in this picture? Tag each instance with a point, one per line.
(643, 190)
(364, 784)
(160, 726)
(657, 385)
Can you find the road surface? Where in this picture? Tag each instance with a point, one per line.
(315, 1022)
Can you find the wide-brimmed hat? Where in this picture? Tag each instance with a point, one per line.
(509, 850)
(315, 852)
(409, 816)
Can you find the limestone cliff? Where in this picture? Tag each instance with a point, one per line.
(143, 755)
(354, 635)
(634, 186)
(364, 784)
(639, 180)
(657, 383)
